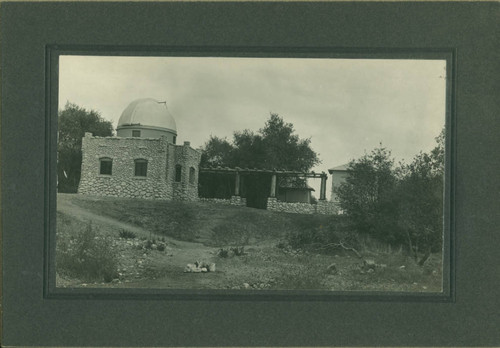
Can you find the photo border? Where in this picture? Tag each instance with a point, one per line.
(53, 292)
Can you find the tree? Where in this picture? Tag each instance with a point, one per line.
(275, 146)
(367, 195)
(284, 149)
(74, 121)
(401, 206)
(420, 194)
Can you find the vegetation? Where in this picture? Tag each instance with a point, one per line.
(277, 250)
(74, 121)
(86, 254)
(275, 146)
(398, 205)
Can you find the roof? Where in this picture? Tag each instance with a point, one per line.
(281, 173)
(147, 112)
(341, 168)
(291, 186)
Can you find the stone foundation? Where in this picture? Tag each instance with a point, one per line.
(234, 200)
(322, 207)
(237, 200)
(326, 207)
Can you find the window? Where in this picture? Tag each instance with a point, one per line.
(141, 167)
(178, 173)
(191, 175)
(136, 133)
(106, 166)
(174, 140)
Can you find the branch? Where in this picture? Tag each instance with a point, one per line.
(341, 245)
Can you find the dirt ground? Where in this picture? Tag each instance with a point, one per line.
(265, 265)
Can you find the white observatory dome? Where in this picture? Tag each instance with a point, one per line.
(147, 118)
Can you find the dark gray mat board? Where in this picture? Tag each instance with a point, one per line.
(468, 31)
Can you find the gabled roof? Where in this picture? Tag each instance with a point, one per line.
(341, 168)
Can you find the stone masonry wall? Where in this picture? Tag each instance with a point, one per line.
(322, 207)
(122, 182)
(186, 157)
(299, 208)
(326, 207)
(234, 200)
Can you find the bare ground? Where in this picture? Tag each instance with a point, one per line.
(264, 266)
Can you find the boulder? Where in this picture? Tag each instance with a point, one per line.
(332, 269)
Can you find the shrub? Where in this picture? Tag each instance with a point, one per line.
(232, 233)
(86, 255)
(127, 234)
(223, 253)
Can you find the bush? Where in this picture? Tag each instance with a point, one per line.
(86, 255)
(321, 235)
(127, 234)
(232, 233)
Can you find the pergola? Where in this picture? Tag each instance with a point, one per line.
(238, 172)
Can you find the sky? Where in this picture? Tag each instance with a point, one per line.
(345, 106)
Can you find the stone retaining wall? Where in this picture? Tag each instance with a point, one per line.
(299, 208)
(326, 207)
(322, 207)
(234, 200)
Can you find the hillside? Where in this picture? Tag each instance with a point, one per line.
(149, 243)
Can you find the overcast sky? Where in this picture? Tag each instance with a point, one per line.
(346, 106)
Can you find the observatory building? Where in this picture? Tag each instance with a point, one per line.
(143, 160)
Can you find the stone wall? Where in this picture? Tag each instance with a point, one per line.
(159, 183)
(122, 182)
(238, 200)
(326, 207)
(215, 200)
(299, 208)
(234, 200)
(322, 207)
(187, 158)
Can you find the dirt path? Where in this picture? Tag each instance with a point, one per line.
(183, 252)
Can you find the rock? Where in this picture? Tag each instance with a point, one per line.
(246, 285)
(204, 270)
(369, 264)
(190, 268)
(402, 267)
(211, 267)
(332, 269)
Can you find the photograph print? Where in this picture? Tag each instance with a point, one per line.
(251, 174)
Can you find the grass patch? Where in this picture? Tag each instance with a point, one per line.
(83, 253)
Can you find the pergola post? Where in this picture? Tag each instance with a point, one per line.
(237, 184)
(322, 191)
(273, 186)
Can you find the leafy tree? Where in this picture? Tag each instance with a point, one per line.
(420, 194)
(275, 146)
(284, 149)
(401, 206)
(74, 121)
(216, 153)
(367, 195)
